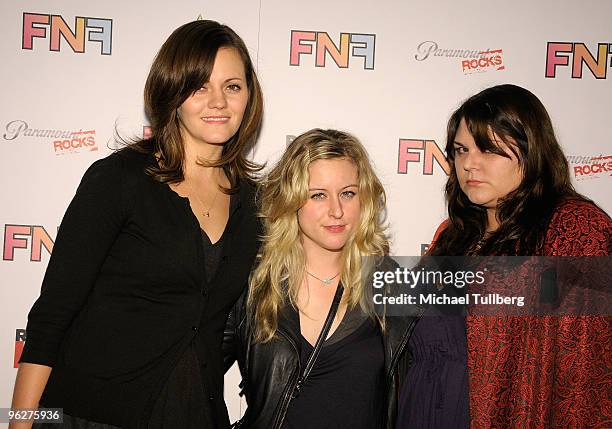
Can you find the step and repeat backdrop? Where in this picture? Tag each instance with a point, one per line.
(390, 72)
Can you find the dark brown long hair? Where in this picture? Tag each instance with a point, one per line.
(182, 65)
(520, 120)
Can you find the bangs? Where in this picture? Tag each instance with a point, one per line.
(197, 70)
(491, 134)
(195, 57)
(196, 62)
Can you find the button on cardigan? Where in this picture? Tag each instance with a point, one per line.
(125, 293)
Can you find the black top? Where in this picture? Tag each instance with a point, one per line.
(269, 370)
(184, 401)
(214, 251)
(435, 393)
(125, 294)
(344, 389)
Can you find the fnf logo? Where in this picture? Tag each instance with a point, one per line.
(422, 152)
(20, 338)
(27, 237)
(54, 28)
(320, 44)
(575, 56)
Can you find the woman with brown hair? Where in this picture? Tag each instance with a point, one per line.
(509, 193)
(153, 251)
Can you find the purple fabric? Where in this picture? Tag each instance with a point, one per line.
(435, 392)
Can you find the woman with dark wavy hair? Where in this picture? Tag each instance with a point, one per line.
(504, 132)
(509, 193)
(153, 251)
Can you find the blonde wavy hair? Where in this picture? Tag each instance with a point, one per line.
(281, 261)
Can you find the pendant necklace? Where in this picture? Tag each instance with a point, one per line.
(207, 211)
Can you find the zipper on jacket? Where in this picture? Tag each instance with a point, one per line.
(289, 389)
(395, 358)
(403, 343)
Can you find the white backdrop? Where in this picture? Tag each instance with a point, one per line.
(396, 93)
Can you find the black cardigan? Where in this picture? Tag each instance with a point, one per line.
(125, 293)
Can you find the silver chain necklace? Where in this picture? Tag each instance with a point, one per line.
(326, 281)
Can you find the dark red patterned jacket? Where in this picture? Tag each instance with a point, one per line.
(546, 371)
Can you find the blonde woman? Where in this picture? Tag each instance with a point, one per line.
(311, 351)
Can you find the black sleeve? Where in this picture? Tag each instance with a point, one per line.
(88, 230)
(231, 335)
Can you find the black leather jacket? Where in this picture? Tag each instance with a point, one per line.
(270, 371)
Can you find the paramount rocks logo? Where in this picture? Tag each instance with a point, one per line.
(470, 60)
(62, 142)
(590, 167)
(486, 61)
(430, 49)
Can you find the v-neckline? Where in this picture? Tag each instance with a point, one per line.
(234, 203)
(330, 334)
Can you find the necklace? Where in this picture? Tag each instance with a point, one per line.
(207, 211)
(476, 247)
(325, 281)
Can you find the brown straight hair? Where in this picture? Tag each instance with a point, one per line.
(521, 121)
(182, 65)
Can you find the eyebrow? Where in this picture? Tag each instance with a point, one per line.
(323, 189)
(457, 143)
(226, 80)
